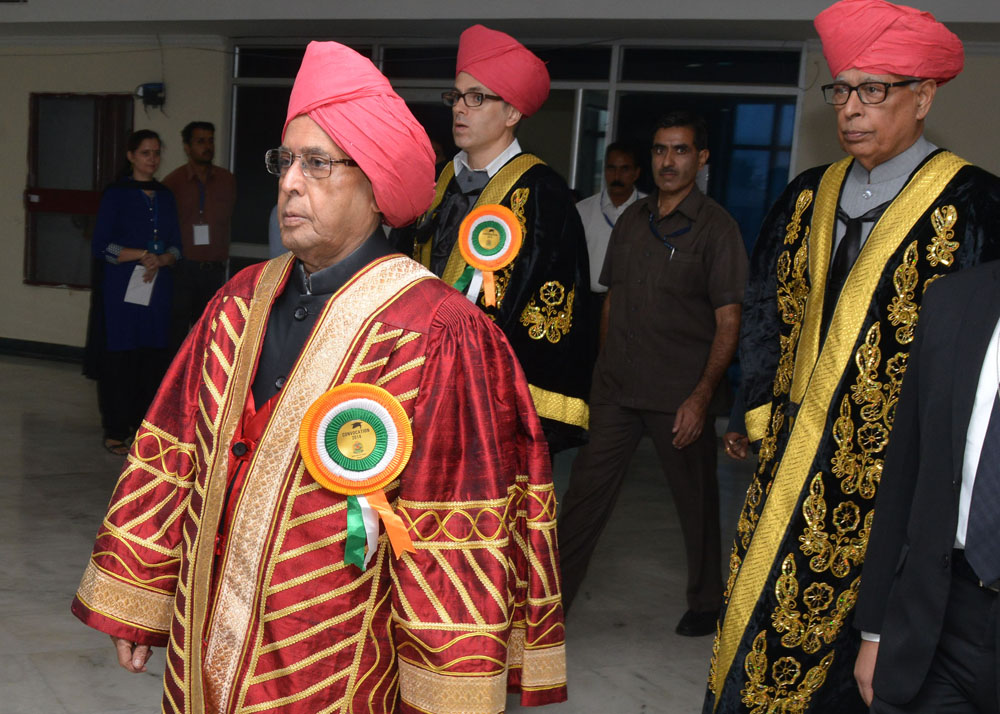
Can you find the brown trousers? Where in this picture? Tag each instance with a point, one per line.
(596, 479)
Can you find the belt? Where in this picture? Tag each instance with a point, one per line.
(960, 567)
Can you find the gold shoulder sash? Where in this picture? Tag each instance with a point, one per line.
(817, 381)
(320, 365)
(498, 187)
(422, 251)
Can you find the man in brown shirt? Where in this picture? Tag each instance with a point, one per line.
(675, 268)
(206, 195)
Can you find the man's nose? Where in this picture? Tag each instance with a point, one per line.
(293, 177)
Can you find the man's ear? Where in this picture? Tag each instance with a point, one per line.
(513, 116)
(702, 158)
(925, 92)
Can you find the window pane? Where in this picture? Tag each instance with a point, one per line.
(66, 143)
(786, 125)
(419, 62)
(260, 114)
(729, 66)
(268, 61)
(747, 199)
(593, 140)
(566, 63)
(754, 124)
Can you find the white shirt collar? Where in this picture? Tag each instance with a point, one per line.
(608, 206)
(462, 160)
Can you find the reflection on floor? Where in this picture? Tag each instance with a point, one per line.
(623, 655)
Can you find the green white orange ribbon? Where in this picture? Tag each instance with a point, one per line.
(489, 238)
(355, 440)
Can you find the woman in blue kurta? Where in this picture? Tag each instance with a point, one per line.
(137, 240)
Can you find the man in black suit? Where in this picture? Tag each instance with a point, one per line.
(928, 603)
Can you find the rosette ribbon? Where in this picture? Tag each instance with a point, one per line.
(355, 440)
(489, 239)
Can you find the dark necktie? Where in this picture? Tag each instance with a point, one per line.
(847, 253)
(982, 539)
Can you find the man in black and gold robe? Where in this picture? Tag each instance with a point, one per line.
(542, 297)
(836, 283)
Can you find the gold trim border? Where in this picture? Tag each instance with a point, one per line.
(559, 407)
(229, 414)
(886, 237)
(820, 246)
(756, 421)
(444, 694)
(125, 603)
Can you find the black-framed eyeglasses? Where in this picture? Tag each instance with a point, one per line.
(868, 92)
(472, 99)
(314, 165)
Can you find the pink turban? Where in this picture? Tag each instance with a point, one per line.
(353, 102)
(505, 66)
(879, 37)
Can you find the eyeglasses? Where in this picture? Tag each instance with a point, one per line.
(472, 99)
(314, 165)
(868, 92)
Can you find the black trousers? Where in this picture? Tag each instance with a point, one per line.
(125, 388)
(595, 482)
(195, 283)
(963, 674)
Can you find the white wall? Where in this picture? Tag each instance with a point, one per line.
(197, 87)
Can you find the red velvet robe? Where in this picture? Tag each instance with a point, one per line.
(270, 618)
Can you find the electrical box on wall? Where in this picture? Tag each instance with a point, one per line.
(152, 94)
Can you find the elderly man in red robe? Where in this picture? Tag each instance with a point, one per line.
(837, 280)
(340, 500)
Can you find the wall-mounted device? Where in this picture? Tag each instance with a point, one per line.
(152, 94)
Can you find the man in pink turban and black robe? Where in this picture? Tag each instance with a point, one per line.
(340, 500)
(542, 299)
(837, 278)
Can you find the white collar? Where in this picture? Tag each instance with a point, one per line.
(462, 160)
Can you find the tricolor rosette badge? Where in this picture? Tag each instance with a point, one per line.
(355, 440)
(489, 239)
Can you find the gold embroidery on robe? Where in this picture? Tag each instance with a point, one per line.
(794, 225)
(942, 248)
(792, 294)
(902, 309)
(554, 318)
(518, 200)
(760, 698)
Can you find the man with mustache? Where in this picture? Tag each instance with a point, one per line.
(838, 277)
(341, 498)
(206, 196)
(540, 298)
(600, 212)
(675, 268)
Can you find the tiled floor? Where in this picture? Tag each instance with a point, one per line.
(623, 655)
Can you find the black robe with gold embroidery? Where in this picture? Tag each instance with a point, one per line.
(822, 407)
(543, 297)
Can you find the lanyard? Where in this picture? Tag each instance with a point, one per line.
(663, 238)
(610, 222)
(201, 197)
